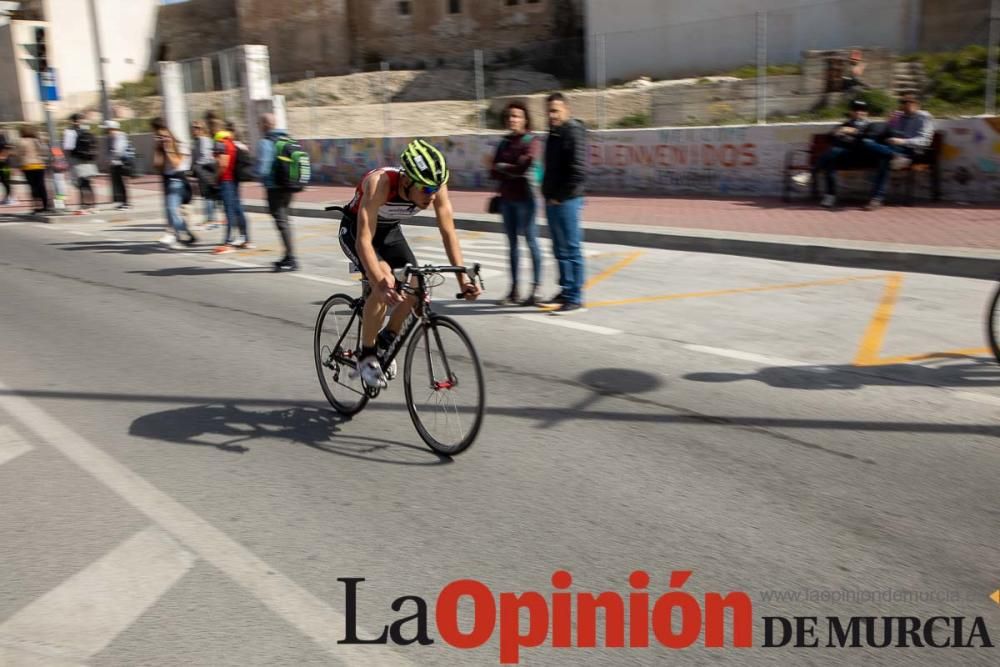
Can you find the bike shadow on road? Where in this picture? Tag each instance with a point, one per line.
(202, 271)
(229, 427)
(968, 373)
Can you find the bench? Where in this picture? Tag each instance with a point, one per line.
(800, 160)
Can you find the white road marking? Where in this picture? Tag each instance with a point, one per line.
(297, 606)
(81, 616)
(79, 233)
(12, 445)
(236, 262)
(976, 397)
(569, 324)
(442, 258)
(324, 279)
(744, 356)
(11, 656)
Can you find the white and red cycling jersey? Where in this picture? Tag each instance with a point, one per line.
(392, 211)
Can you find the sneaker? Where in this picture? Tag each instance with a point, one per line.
(246, 245)
(238, 241)
(511, 299)
(900, 162)
(557, 300)
(190, 240)
(286, 265)
(533, 299)
(371, 373)
(874, 205)
(829, 201)
(569, 309)
(223, 249)
(802, 180)
(168, 239)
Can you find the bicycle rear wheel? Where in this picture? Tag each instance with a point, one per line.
(993, 324)
(445, 392)
(335, 344)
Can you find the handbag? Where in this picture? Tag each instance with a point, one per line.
(494, 204)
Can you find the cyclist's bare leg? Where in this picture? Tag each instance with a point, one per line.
(373, 316)
(402, 311)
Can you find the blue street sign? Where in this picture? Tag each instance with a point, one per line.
(47, 86)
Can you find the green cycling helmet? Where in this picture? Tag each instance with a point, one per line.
(424, 164)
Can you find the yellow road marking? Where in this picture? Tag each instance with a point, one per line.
(612, 270)
(729, 292)
(871, 341)
(874, 336)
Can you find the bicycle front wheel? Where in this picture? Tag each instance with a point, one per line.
(445, 392)
(993, 324)
(335, 344)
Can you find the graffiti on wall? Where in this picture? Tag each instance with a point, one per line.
(711, 161)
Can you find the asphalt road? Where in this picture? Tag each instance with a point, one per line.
(175, 491)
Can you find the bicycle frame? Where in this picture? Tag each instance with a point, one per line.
(422, 313)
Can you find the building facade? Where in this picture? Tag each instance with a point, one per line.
(342, 36)
(126, 34)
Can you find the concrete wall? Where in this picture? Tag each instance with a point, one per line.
(676, 38)
(733, 161)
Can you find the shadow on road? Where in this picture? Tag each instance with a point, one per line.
(118, 247)
(202, 271)
(969, 374)
(231, 428)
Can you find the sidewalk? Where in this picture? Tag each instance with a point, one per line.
(945, 239)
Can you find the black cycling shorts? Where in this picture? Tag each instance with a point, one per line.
(389, 243)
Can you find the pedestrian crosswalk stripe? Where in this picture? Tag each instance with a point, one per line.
(81, 616)
(12, 445)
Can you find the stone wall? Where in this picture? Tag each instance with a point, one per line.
(951, 24)
(431, 35)
(196, 28)
(301, 35)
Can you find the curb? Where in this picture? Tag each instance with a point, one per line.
(954, 262)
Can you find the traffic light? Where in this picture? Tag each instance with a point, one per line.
(41, 49)
(38, 50)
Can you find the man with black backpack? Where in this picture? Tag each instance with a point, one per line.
(80, 145)
(284, 169)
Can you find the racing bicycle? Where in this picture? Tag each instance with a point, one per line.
(442, 374)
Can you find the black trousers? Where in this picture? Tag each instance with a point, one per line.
(278, 203)
(118, 191)
(36, 180)
(5, 180)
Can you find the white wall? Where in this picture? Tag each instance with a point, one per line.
(127, 29)
(673, 38)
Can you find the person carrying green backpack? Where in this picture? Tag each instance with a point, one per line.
(284, 169)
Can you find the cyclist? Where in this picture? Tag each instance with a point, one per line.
(371, 237)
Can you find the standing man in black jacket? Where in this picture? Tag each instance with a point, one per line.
(562, 187)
